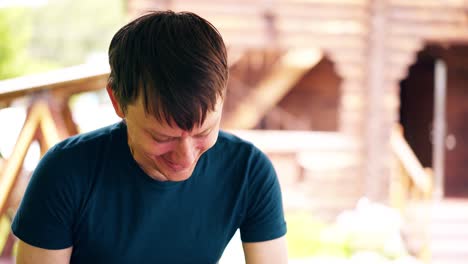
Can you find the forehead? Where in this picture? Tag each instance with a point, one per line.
(137, 112)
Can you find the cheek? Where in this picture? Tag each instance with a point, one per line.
(206, 143)
(150, 148)
(155, 149)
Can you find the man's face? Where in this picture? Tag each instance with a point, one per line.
(168, 153)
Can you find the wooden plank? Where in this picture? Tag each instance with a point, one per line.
(5, 224)
(280, 142)
(326, 41)
(321, 10)
(329, 2)
(429, 3)
(410, 162)
(235, 22)
(47, 127)
(352, 101)
(428, 30)
(350, 85)
(426, 15)
(347, 56)
(351, 70)
(71, 80)
(352, 123)
(245, 40)
(404, 43)
(401, 59)
(268, 3)
(317, 26)
(205, 8)
(15, 161)
(396, 72)
(287, 25)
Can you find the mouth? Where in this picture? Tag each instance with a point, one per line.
(173, 166)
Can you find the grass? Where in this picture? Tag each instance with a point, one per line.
(308, 236)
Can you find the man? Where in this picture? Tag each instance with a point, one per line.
(165, 185)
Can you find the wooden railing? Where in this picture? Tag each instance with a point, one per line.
(411, 181)
(48, 120)
(48, 117)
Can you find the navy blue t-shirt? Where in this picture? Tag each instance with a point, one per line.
(88, 192)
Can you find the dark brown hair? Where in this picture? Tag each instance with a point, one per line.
(176, 61)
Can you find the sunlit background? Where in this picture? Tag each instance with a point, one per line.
(362, 105)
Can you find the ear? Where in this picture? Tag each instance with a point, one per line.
(115, 104)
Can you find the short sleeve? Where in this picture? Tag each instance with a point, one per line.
(45, 216)
(264, 216)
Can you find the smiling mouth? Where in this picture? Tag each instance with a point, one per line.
(173, 166)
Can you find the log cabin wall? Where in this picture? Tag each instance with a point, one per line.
(411, 26)
(371, 43)
(311, 104)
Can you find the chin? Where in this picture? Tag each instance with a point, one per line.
(180, 175)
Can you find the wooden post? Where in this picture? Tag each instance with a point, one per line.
(438, 154)
(376, 173)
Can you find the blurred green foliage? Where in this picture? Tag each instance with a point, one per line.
(14, 36)
(59, 34)
(308, 236)
(68, 31)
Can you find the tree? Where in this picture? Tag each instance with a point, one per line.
(14, 37)
(68, 31)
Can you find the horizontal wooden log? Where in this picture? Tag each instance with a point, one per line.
(428, 15)
(298, 141)
(69, 80)
(425, 4)
(428, 30)
(292, 9)
(329, 26)
(295, 40)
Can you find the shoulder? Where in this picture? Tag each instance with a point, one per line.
(76, 154)
(236, 149)
(88, 140)
(230, 142)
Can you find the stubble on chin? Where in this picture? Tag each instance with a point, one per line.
(151, 169)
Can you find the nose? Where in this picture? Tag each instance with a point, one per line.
(184, 154)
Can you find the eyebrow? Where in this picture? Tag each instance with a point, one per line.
(153, 133)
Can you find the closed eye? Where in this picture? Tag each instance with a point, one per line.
(164, 140)
(159, 139)
(203, 134)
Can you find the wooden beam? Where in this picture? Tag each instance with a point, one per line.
(293, 142)
(69, 80)
(428, 4)
(405, 155)
(15, 161)
(48, 127)
(39, 117)
(287, 72)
